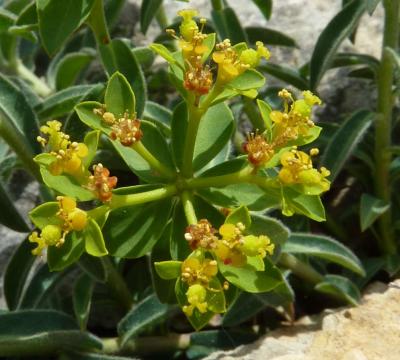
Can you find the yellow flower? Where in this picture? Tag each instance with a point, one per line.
(69, 218)
(197, 271)
(232, 63)
(196, 296)
(297, 168)
(188, 27)
(228, 248)
(67, 155)
(257, 245)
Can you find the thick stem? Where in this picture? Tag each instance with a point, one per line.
(117, 284)
(383, 124)
(187, 203)
(152, 161)
(299, 268)
(150, 345)
(118, 201)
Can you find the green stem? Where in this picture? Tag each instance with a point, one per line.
(299, 268)
(118, 201)
(149, 345)
(117, 284)
(20, 147)
(188, 207)
(38, 85)
(98, 24)
(152, 161)
(195, 115)
(383, 125)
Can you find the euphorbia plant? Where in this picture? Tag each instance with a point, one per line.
(216, 245)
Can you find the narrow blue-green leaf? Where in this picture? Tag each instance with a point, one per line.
(370, 210)
(269, 37)
(94, 267)
(82, 298)
(147, 313)
(265, 7)
(340, 287)
(344, 141)
(42, 333)
(17, 117)
(148, 11)
(16, 274)
(59, 19)
(339, 28)
(325, 248)
(64, 101)
(371, 5)
(286, 74)
(228, 25)
(10, 216)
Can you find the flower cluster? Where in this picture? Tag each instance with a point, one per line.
(68, 218)
(67, 155)
(297, 168)
(231, 246)
(124, 128)
(101, 183)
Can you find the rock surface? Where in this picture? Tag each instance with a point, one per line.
(370, 331)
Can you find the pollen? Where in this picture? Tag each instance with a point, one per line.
(101, 183)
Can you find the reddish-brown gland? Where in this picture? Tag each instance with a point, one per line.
(127, 131)
(201, 235)
(198, 79)
(101, 183)
(258, 150)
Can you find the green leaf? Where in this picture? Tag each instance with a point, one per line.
(323, 247)
(165, 289)
(65, 184)
(58, 20)
(308, 205)
(228, 25)
(148, 11)
(371, 5)
(216, 128)
(59, 258)
(340, 287)
(11, 217)
(250, 79)
(339, 28)
(265, 7)
(117, 56)
(287, 74)
(148, 222)
(153, 140)
(94, 241)
(17, 272)
(163, 52)
(159, 115)
(17, 119)
(63, 102)
(269, 37)
(70, 67)
(91, 141)
(247, 305)
(265, 109)
(42, 333)
(215, 300)
(273, 228)
(249, 279)
(345, 140)
(168, 270)
(119, 97)
(148, 312)
(94, 267)
(82, 298)
(241, 214)
(41, 286)
(370, 210)
(45, 214)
